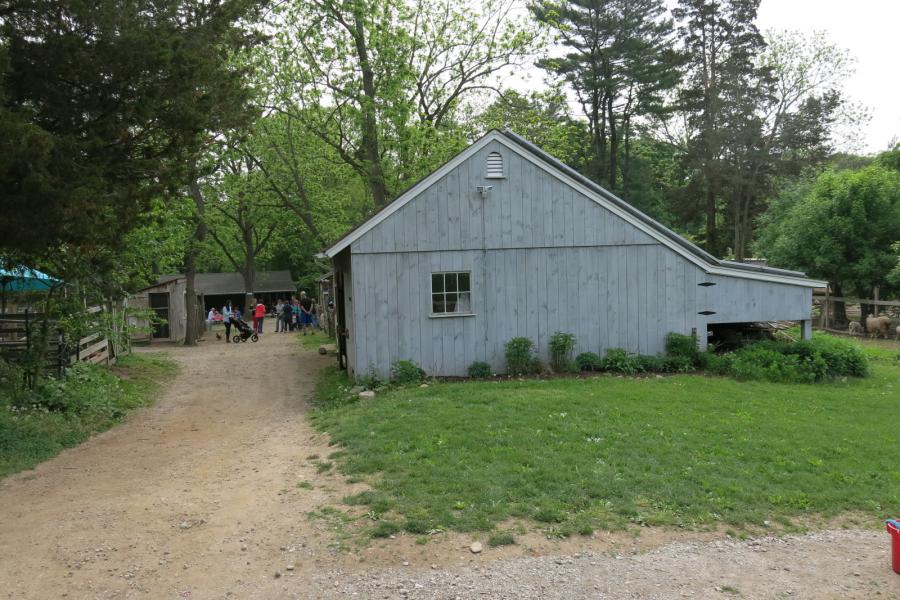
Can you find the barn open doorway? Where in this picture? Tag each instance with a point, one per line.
(159, 303)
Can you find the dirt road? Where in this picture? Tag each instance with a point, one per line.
(198, 497)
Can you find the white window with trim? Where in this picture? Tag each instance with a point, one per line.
(451, 293)
(494, 169)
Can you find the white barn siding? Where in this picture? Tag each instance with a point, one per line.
(518, 292)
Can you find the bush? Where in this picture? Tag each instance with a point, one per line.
(406, 372)
(588, 361)
(12, 382)
(682, 346)
(480, 370)
(618, 360)
(371, 380)
(816, 360)
(520, 359)
(86, 389)
(561, 347)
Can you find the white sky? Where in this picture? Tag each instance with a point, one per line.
(869, 29)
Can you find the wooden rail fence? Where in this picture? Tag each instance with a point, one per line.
(18, 332)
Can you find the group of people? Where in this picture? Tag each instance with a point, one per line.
(296, 313)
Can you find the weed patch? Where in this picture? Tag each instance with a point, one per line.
(61, 413)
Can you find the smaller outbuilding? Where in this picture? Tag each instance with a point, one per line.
(167, 297)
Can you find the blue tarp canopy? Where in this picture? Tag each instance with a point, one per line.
(25, 280)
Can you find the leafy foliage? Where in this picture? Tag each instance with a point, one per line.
(480, 370)
(561, 346)
(520, 358)
(683, 346)
(618, 360)
(406, 372)
(588, 361)
(821, 359)
(840, 228)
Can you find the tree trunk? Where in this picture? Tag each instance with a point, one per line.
(839, 310)
(613, 142)
(192, 325)
(710, 218)
(370, 144)
(248, 272)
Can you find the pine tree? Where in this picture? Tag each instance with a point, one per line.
(619, 65)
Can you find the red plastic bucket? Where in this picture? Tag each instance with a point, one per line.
(893, 528)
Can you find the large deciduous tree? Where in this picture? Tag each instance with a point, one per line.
(840, 227)
(379, 80)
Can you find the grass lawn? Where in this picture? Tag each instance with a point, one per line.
(312, 341)
(606, 452)
(100, 399)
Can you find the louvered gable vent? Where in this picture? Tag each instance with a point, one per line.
(495, 165)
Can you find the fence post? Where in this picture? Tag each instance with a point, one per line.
(61, 355)
(825, 308)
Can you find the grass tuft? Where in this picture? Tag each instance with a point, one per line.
(501, 538)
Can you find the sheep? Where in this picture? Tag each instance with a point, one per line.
(878, 325)
(898, 332)
(855, 328)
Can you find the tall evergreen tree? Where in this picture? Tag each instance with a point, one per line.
(618, 64)
(102, 106)
(721, 91)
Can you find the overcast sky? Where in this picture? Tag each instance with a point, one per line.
(869, 29)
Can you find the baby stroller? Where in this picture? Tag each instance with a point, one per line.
(244, 330)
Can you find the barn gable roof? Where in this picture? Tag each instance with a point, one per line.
(592, 190)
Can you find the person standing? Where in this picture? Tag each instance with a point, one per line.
(305, 314)
(285, 316)
(226, 318)
(210, 319)
(260, 314)
(314, 315)
(279, 324)
(252, 309)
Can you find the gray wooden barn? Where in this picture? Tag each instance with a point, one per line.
(504, 241)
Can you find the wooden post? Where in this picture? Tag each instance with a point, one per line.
(825, 308)
(875, 303)
(62, 355)
(806, 329)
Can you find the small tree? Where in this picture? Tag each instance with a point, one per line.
(840, 228)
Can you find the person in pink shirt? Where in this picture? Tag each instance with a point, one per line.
(260, 313)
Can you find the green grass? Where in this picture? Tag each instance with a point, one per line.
(314, 340)
(99, 399)
(501, 538)
(578, 454)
